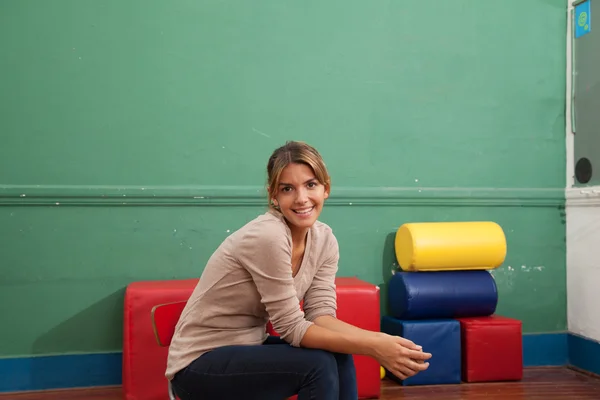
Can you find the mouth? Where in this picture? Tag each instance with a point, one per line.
(304, 212)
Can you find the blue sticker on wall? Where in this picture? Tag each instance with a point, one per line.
(583, 19)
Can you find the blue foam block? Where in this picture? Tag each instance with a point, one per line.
(441, 338)
(442, 294)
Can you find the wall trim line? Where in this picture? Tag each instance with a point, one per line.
(583, 197)
(201, 195)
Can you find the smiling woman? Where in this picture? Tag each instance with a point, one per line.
(220, 348)
(298, 186)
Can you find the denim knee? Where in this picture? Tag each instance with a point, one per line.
(344, 359)
(326, 366)
(346, 376)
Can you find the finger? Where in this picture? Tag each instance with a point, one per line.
(407, 343)
(417, 366)
(418, 355)
(399, 373)
(406, 371)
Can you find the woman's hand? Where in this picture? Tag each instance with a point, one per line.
(400, 356)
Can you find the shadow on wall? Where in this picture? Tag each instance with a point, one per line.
(85, 332)
(388, 265)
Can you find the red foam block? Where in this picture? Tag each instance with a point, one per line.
(492, 349)
(358, 305)
(144, 361)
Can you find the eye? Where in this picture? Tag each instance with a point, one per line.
(312, 184)
(286, 189)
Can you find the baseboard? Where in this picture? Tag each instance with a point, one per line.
(545, 349)
(104, 369)
(584, 353)
(60, 371)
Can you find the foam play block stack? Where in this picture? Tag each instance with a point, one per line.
(427, 303)
(444, 284)
(144, 361)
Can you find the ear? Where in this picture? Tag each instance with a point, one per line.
(327, 190)
(271, 198)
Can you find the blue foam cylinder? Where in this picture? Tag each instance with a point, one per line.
(442, 294)
(441, 338)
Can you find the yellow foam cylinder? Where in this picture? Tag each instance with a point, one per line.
(447, 246)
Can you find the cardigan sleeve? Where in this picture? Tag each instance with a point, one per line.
(321, 298)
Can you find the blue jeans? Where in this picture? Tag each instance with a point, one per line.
(273, 371)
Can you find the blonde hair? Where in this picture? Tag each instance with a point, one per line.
(294, 153)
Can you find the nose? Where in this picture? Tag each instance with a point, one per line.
(302, 196)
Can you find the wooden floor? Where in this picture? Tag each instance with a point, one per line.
(538, 383)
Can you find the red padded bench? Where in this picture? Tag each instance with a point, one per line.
(144, 361)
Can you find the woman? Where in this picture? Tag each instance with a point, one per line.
(220, 349)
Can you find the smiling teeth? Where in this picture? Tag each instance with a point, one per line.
(303, 212)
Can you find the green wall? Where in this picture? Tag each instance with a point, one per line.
(134, 138)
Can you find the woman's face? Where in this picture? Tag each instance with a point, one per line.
(300, 196)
